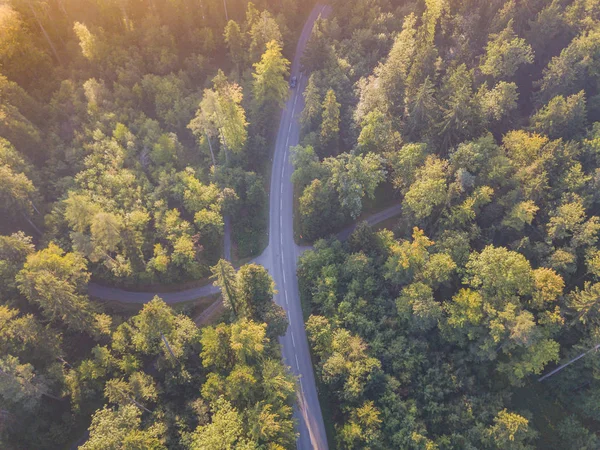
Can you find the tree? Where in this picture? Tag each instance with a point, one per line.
(158, 330)
(57, 281)
(573, 69)
(316, 52)
(270, 87)
(20, 386)
(385, 90)
(511, 431)
(235, 43)
(363, 428)
(461, 112)
(417, 306)
(377, 134)
(585, 304)
(330, 125)
(311, 113)
(16, 191)
(505, 53)
(224, 432)
(248, 341)
(225, 278)
(320, 209)
(520, 215)
(354, 177)
(14, 250)
(255, 290)
(574, 434)
(122, 428)
(264, 30)
(562, 118)
(306, 166)
(429, 191)
(500, 101)
(500, 273)
(221, 113)
(92, 47)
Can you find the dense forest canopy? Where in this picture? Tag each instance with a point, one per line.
(482, 120)
(135, 134)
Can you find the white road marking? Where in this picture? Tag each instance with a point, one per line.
(284, 277)
(301, 386)
(281, 190)
(293, 340)
(289, 319)
(297, 363)
(290, 128)
(286, 298)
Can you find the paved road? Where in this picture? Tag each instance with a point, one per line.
(107, 293)
(281, 256)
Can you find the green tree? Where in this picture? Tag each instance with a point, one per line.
(316, 52)
(14, 250)
(157, 330)
(363, 428)
(562, 118)
(221, 113)
(311, 113)
(225, 278)
(264, 30)
(122, 428)
(511, 431)
(270, 87)
(225, 431)
(497, 103)
(573, 69)
(235, 43)
(505, 53)
(429, 191)
(461, 115)
(354, 177)
(20, 386)
(255, 289)
(330, 125)
(57, 282)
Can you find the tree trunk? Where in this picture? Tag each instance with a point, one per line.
(212, 155)
(46, 35)
(37, 230)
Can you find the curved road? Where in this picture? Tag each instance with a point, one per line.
(280, 258)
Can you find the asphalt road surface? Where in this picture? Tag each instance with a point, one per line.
(281, 256)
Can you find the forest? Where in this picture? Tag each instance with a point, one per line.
(136, 135)
(133, 134)
(434, 330)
